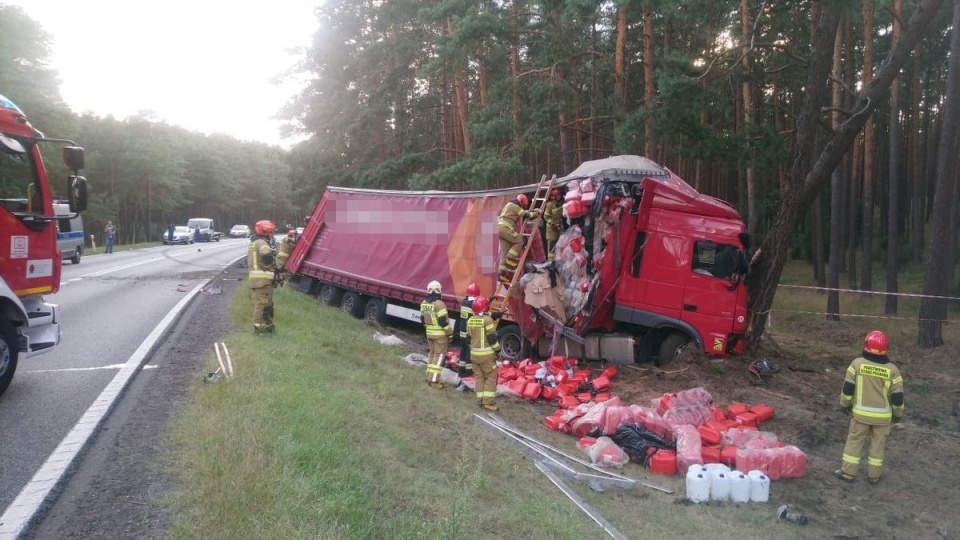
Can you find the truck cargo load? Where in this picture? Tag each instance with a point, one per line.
(657, 265)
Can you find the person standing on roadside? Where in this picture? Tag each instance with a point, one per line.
(110, 236)
(482, 335)
(465, 368)
(433, 312)
(873, 392)
(261, 261)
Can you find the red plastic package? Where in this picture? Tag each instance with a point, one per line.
(688, 447)
(793, 463)
(689, 415)
(606, 453)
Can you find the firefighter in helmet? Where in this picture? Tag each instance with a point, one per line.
(873, 392)
(439, 330)
(553, 218)
(261, 261)
(482, 335)
(284, 249)
(511, 243)
(466, 311)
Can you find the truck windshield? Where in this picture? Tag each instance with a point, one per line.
(19, 189)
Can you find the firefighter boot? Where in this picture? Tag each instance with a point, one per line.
(491, 407)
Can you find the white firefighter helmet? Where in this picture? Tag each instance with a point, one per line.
(434, 287)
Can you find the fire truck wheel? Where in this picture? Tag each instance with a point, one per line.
(331, 295)
(375, 311)
(8, 355)
(671, 347)
(512, 344)
(352, 304)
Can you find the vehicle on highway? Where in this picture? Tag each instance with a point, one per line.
(240, 231)
(69, 232)
(204, 230)
(181, 235)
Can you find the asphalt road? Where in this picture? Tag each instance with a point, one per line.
(110, 306)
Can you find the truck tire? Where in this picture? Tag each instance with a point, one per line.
(512, 345)
(375, 311)
(352, 304)
(8, 355)
(330, 295)
(76, 255)
(671, 347)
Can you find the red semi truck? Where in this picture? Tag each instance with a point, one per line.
(30, 262)
(657, 265)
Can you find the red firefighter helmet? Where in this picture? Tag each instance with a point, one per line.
(481, 305)
(473, 289)
(522, 200)
(264, 227)
(876, 342)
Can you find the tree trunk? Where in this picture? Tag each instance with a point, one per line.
(619, 74)
(747, 91)
(836, 187)
(463, 114)
(648, 86)
(893, 183)
(866, 229)
(802, 185)
(937, 272)
(515, 67)
(918, 208)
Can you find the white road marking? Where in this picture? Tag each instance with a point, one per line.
(111, 366)
(16, 517)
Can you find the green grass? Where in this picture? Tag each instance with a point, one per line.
(324, 433)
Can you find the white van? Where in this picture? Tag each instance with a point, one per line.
(69, 233)
(205, 231)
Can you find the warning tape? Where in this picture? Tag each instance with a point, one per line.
(861, 316)
(868, 292)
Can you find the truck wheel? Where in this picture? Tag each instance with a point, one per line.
(352, 304)
(331, 295)
(671, 347)
(76, 256)
(512, 344)
(8, 355)
(375, 311)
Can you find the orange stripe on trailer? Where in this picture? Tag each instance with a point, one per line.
(34, 290)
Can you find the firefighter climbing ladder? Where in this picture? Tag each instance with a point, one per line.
(498, 302)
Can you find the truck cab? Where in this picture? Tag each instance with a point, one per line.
(30, 263)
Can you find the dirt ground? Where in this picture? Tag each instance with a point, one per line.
(918, 496)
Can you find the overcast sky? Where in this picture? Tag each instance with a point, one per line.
(206, 65)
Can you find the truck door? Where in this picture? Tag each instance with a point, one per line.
(710, 295)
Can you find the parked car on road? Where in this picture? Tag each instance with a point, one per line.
(204, 230)
(240, 231)
(181, 235)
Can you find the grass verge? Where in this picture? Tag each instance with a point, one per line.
(324, 433)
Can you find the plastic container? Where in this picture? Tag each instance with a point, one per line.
(728, 456)
(709, 435)
(759, 486)
(714, 467)
(710, 454)
(601, 383)
(664, 462)
(553, 422)
(720, 485)
(739, 487)
(550, 393)
(698, 485)
(532, 391)
(747, 419)
(568, 402)
(610, 372)
(763, 412)
(737, 408)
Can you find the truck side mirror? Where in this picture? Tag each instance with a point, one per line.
(77, 189)
(73, 157)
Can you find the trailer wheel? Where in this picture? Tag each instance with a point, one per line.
(512, 344)
(331, 295)
(352, 304)
(375, 311)
(8, 355)
(671, 347)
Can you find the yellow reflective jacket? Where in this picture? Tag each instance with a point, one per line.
(511, 213)
(260, 261)
(874, 390)
(435, 320)
(482, 332)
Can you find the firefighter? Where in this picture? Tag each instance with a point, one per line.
(437, 324)
(873, 392)
(511, 243)
(284, 249)
(482, 335)
(261, 261)
(553, 218)
(466, 311)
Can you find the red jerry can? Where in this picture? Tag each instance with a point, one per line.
(584, 397)
(709, 436)
(737, 408)
(710, 454)
(549, 393)
(532, 391)
(554, 422)
(719, 415)
(747, 419)
(601, 397)
(728, 456)
(664, 462)
(601, 383)
(763, 412)
(569, 402)
(610, 372)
